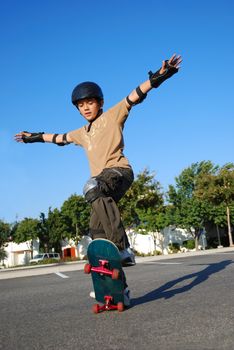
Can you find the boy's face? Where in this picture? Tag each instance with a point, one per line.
(89, 108)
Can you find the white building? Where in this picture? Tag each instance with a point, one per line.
(147, 244)
(20, 254)
(157, 241)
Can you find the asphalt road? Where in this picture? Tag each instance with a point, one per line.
(184, 303)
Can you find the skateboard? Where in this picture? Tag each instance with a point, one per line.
(106, 271)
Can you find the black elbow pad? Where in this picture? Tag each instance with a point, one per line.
(141, 98)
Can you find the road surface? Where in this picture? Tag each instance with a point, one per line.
(185, 303)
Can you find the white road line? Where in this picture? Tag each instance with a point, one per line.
(170, 263)
(163, 263)
(61, 275)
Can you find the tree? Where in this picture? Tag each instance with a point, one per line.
(186, 210)
(57, 227)
(53, 229)
(218, 188)
(4, 233)
(4, 236)
(26, 230)
(77, 210)
(3, 254)
(142, 204)
(44, 232)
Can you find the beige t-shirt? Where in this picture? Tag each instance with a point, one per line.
(104, 142)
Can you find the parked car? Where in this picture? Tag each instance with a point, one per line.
(40, 257)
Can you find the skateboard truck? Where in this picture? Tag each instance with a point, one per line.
(108, 306)
(102, 269)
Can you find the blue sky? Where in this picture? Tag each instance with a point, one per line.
(48, 47)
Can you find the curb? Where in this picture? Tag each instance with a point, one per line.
(185, 255)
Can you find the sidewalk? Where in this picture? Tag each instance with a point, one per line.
(185, 255)
(28, 271)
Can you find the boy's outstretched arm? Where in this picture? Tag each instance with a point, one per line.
(169, 68)
(31, 137)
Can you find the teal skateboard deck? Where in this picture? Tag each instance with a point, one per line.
(106, 271)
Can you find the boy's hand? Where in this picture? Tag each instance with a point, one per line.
(174, 62)
(29, 137)
(169, 68)
(20, 135)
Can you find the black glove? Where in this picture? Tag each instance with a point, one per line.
(157, 79)
(34, 137)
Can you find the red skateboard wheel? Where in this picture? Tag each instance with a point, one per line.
(95, 308)
(120, 306)
(115, 274)
(87, 268)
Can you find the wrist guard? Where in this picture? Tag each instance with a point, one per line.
(34, 137)
(157, 79)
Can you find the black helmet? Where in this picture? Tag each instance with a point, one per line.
(86, 90)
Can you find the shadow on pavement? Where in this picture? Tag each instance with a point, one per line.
(166, 290)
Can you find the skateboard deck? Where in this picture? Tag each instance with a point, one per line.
(106, 271)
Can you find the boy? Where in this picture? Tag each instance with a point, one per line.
(102, 139)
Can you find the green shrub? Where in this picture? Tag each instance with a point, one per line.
(189, 244)
(174, 247)
(48, 261)
(69, 259)
(157, 252)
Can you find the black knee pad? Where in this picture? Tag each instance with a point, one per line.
(92, 190)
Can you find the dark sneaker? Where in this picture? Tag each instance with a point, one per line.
(127, 257)
(127, 299)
